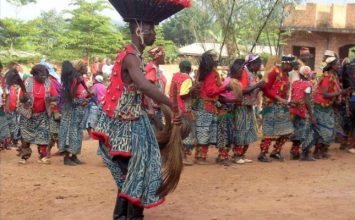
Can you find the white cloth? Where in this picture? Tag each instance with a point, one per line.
(308, 90)
(107, 69)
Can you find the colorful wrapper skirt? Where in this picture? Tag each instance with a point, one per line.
(245, 125)
(225, 129)
(276, 121)
(36, 129)
(71, 128)
(14, 125)
(324, 132)
(340, 122)
(206, 126)
(301, 127)
(134, 139)
(4, 128)
(54, 125)
(91, 114)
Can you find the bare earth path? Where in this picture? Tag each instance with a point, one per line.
(290, 190)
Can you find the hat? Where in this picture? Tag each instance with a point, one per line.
(288, 59)
(331, 60)
(156, 52)
(305, 71)
(251, 57)
(329, 53)
(149, 11)
(50, 69)
(99, 78)
(185, 64)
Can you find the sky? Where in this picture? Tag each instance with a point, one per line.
(32, 11)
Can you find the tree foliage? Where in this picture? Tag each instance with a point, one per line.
(21, 2)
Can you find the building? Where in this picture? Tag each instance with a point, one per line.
(321, 27)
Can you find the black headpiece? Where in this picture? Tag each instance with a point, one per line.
(149, 11)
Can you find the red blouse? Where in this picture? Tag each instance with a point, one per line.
(298, 95)
(178, 80)
(39, 95)
(276, 85)
(210, 90)
(332, 84)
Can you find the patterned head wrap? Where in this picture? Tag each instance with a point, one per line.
(251, 57)
(288, 59)
(50, 69)
(156, 52)
(305, 71)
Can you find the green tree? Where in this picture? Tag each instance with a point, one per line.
(50, 36)
(21, 2)
(16, 34)
(89, 32)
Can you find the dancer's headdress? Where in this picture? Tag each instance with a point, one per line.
(149, 11)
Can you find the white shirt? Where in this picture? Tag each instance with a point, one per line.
(107, 69)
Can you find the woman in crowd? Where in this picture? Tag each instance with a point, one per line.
(74, 100)
(245, 122)
(34, 122)
(98, 90)
(206, 110)
(326, 94)
(277, 125)
(227, 100)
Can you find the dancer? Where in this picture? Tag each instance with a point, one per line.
(127, 141)
(302, 114)
(277, 125)
(156, 76)
(327, 93)
(182, 82)
(34, 110)
(206, 110)
(245, 123)
(54, 118)
(225, 122)
(74, 100)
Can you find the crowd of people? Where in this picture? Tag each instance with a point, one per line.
(309, 111)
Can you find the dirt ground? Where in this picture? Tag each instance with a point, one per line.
(290, 190)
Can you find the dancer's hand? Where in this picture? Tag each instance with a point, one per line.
(177, 118)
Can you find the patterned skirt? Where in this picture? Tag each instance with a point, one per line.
(91, 114)
(36, 129)
(4, 128)
(136, 140)
(54, 125)
(245, 126)
(324, 132)
(276, 121)
(206, 126)
(71, 129)
(225, 130)
(301, 127)
(14, 125)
